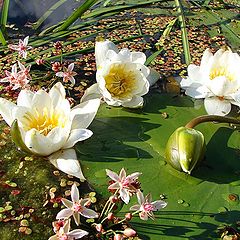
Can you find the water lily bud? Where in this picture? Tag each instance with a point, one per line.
(185, 148)
(129, 232)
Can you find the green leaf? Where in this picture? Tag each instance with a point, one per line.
(17, 137)
(183, 27)
(136, 140)
(48, 13)
(4, 15)
(75, 15)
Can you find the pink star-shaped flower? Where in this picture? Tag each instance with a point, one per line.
(22, 47)
(127, 185)
(67, 74)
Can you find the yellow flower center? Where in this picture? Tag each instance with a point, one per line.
(220, 72)
(120, 81)
(44, 122)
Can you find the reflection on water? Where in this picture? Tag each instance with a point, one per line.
(23, 12)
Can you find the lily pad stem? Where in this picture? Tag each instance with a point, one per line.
(211, 118)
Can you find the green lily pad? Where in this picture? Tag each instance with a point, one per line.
(136, 139)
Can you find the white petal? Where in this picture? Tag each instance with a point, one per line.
(124, 195)
(136, 102)
(115, 185)
(74, 193)
(41, 100)
(135, 207)
(58, 137)
(70, 67)
(158, 205)
(140, 197)
(217, 107)
(57, 94)
(122, 173)
(88, 213)
(83, 114)
(54, 237)
(6, 110)
(206, 60)
(77, 233)
(196, 90)
(76, 218)
(25, 41)
(101, 49)
(65, 213)
(60, 74)
(138, 57)
(66, 161)
(112, 175)
(25, 98)
(67, 203)
(91, 93)
(153, 77)
(39, 143)
(143, 216)
(72, 80)
(77, 135)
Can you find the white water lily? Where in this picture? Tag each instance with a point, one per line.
(122, 78)
(43, 124)
(217, 80)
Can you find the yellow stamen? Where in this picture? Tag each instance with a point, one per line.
(120, 81)
(221, 71)
(43, 122)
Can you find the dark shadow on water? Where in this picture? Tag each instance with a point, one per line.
(111, 135)
(221, 164)
(183, 226)
(154, 102)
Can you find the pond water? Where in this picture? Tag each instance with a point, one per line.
(172, 34)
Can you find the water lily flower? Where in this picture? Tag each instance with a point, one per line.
(76, 207)
(18, 79)
(122, 78)
(63, 233)
(217, 80)
(127, 185)
(22, 47)
(67, 74)
(44, 124)
(146, 207)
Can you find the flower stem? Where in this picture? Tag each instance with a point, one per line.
(211, 118)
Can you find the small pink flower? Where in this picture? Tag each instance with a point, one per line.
(56, 66)
(21, 47)
(127, 185)
(67, 74)
(146, 207)
(76, 208)
(63, 233)
(17, 79)
(40, 61)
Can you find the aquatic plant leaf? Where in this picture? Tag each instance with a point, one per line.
(136, 140)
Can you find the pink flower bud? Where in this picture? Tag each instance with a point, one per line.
(40, 61)
(98, 227)
(118, 237)
(110, 216)
(128, 216)
(129, 232)
(113, 199)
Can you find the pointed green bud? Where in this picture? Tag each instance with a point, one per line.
(17, 137)
(185, 148)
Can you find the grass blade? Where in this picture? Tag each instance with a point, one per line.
(4, 15)
(76, 14)
(2, 38)
(185, 42)
(37, 24)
